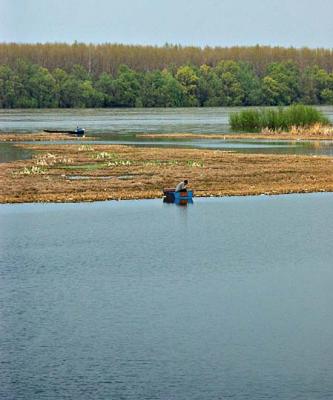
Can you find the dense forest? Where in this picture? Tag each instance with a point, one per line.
(79, 75)
(97, 59)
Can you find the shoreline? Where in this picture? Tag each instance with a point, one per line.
(84, 173)
(201, 197)
(12, 137)
(237, 136)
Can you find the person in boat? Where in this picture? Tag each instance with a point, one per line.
(181, 187)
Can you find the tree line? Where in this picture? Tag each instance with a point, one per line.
(229, 83)
(100, 58)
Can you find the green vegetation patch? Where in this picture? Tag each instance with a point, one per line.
(34, 170)
(105, 155)
(195, 164)
(117, 163)
(277, 119)
(86, 147)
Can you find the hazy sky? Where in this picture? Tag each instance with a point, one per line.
(189, 22)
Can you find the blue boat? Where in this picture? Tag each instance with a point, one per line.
(171, 195)
(78, 131)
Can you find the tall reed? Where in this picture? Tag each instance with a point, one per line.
(277, 119)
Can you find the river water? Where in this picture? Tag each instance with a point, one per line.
(225, 298)
(122, 121)
(104, 122)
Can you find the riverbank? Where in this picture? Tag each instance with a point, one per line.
(294, 135)
(235, 136)
(315, 133)
(74, 173)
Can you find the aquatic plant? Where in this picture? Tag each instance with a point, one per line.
(85, 147)
(114, 160)
(65, 160)
(49, 159)
(277, 119)
(118, 163)
(104, 155)
(44, 160)
(192, 163)
(34, 170)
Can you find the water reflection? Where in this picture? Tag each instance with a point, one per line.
(178, 202)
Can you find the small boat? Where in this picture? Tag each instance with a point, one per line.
(78, 131)
(171, 195)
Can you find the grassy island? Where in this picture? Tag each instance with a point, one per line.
(278, 119)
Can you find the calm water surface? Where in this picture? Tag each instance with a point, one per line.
(225, 298)
(105, 122)
(120, 121)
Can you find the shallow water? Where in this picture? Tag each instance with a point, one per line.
(9, 152)
(119, 126)
(225, 298)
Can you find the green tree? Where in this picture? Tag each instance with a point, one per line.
(79, 73)
(42, 88)
(327, 96)
(60, 76)
(161, 89)
(126, 88)
(9, 87)
(273, 92)
(317, 86)
(105, 85)
(174, 92)
(71, 94)
(208, 87)
(188, 78)
(229, 89)
(76, 90)
(229, 84)
(90, 95)
(25, 73)
(281, 85)
(251, 85)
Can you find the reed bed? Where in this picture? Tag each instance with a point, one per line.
(277, 119)
(313, 130)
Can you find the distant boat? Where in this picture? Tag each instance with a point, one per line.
(78, 131)
(171, 195)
